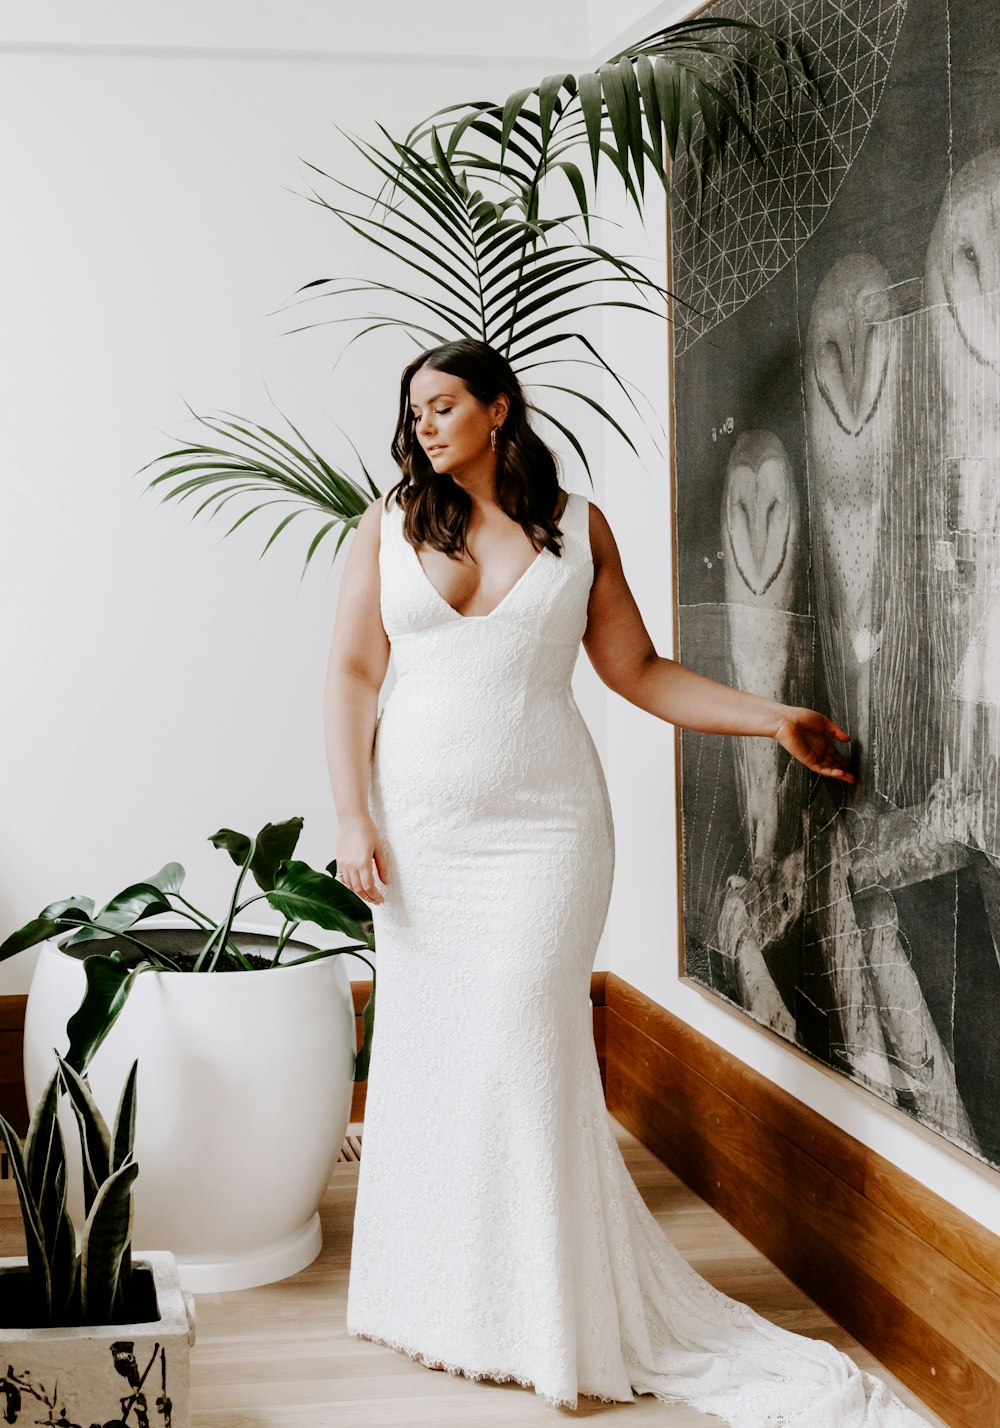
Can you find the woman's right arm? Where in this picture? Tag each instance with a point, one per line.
(359, 658)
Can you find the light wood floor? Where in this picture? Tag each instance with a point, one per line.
(280, 1357)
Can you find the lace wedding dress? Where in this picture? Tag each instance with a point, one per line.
(497, 1228)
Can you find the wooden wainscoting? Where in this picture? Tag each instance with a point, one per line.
(909, 1276)
(13, 1106)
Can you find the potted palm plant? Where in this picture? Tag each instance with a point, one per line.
(89, 1333)
(248, 1077)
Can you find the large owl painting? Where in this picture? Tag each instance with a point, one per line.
(836, 349)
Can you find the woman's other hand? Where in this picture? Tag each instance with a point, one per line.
(809, 737)
(359, 847)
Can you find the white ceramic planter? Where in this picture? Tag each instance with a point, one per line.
(87, 1376)
(244, 1094)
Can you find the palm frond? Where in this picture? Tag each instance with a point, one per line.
(259, 460)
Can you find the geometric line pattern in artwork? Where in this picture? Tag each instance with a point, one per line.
(757, 215)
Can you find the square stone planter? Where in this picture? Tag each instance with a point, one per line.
(105, 1375)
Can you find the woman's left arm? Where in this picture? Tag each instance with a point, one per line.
(618, 646)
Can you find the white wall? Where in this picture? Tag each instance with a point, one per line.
(613, 26)
(159, 683)
(643, 918)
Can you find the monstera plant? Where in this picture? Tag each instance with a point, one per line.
(460, 215)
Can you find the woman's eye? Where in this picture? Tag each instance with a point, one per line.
(443, 411)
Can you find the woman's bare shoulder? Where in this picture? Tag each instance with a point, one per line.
(602, 541)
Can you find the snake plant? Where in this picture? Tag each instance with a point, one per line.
(460, 216)
(300, 893)
(66, 1286)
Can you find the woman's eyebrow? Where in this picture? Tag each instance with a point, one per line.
(414, 405)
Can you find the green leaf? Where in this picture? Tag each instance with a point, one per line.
(548, 103)
(39, 1272)
(64, 1263)
(45, 926)
(75, 904)
(43, 1152)
(596, 406)
(579, 188)
(125, 909)
(571, 438)
(105, 1236)
(511, 111)
(441, 273)
(419, 180)
(591, 96)
(208, 958)
(95, 1138)
(363, 1056)
(124, 1132)
(319, 953)
(109, 981)
(621, 94)
(237, 845)
(323, 531)
(282, 524)
(170, 878)
(651, 109)
(275, 842)
(121, 1152)
(305, 895)
(45, 1167)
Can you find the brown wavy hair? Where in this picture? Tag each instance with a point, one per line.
(436, 509)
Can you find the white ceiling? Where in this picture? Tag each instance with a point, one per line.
(431, 29)
(556, 32)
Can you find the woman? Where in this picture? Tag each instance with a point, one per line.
(498, 1233)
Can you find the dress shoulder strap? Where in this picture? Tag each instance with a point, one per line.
(392, 511)
(575, 523)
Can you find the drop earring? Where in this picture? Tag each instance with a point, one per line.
(493, 437)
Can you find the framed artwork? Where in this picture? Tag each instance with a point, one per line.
(836, 365)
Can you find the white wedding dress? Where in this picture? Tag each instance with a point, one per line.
(497, 1227)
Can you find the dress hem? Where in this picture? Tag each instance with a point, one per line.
(478, 1375)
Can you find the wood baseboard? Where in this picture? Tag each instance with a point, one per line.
(909, 1276)
(13, 1106)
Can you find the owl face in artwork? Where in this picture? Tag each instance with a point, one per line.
(963, 256)
(840, 357)
(759, 511)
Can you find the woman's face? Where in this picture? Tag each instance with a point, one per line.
(449, 423)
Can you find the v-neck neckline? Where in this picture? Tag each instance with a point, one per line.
(517, 583)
